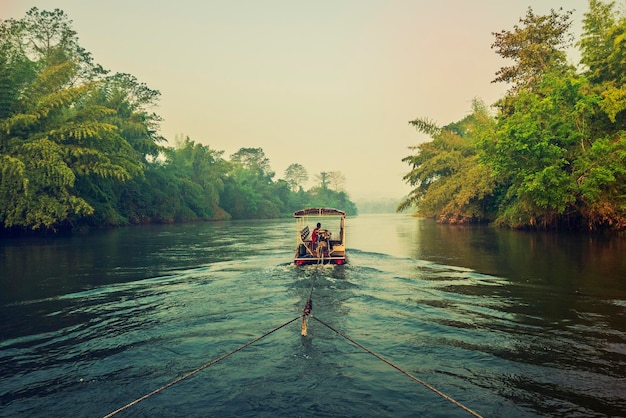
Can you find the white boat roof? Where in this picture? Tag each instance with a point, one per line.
(318, 212)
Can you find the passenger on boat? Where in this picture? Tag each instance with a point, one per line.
(314, 236)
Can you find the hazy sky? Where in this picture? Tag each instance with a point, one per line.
(331, 85)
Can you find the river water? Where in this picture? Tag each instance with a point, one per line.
(506, 323)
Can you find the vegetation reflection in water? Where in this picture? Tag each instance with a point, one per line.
(457, 307)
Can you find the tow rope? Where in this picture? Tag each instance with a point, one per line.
(308, 308)
(305, 314)
(193, 372)
(379, 357)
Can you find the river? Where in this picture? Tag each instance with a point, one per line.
(506, 323)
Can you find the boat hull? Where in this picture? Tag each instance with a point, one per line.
(305, 261)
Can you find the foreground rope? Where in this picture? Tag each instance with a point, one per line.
(443, 395)
(204, 366)
(308, 307)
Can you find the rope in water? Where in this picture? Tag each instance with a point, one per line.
(308, 307)
(193, 372)
(438, 392)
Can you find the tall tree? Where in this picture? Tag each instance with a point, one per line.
(599, 170)
(249, 191)
(47, 37)
(132, 102)
(535, 47)
(253, 159)
(603, 52)
(533, 150)
(296, 175)
(597, 40)
(203, 166)
(337, 180)
(322, 178)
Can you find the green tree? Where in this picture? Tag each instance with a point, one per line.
(599, 169)
(249, 188)
(533, 150)
(557, 151)
(597, 41)
(253, 159)
(450, 182)
(603, 53)
(57, 138)
(54, 137)
(131, 101)
(202, 170)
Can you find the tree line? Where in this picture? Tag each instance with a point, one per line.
(80, 147)
(552, 153)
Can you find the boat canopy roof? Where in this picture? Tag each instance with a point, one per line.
(318, 212)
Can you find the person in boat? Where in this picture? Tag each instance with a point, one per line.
(320, 237)
(314, 235)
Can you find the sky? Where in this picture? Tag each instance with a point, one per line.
(329, 84)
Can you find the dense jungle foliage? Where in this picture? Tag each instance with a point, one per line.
(554, 154)
(79, 147)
